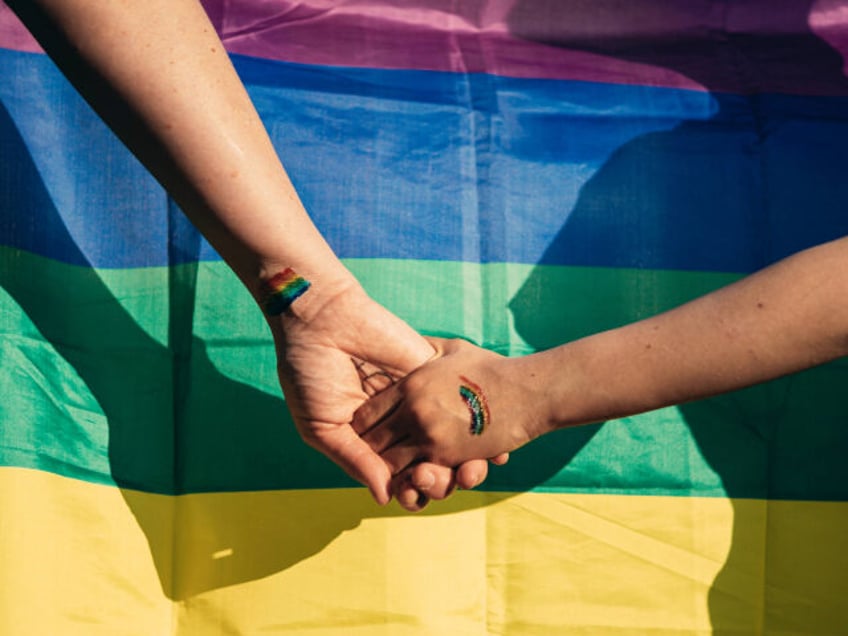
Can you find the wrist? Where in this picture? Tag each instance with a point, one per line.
(289, 296)
(532, 376)
(559, 382)
(597, 378)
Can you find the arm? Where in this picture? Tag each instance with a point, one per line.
(159, 76)
(790, 316)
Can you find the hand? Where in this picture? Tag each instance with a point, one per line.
(467, 403)
(419, 483)
(416, 485)
(328, 366)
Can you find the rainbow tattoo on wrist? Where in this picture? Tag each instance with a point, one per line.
(281, 290)
(473, 397)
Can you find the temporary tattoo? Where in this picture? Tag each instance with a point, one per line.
(281, 290)
(473, 396)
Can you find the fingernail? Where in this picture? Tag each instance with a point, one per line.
(408, 499)
(382, 498)
(425, 481)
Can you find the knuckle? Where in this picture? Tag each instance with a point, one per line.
(422, 413)
(415, 384)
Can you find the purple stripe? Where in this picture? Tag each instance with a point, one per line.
(744, 46)
(13, 35)
(435, 35)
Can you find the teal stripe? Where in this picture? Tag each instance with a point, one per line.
(93, 391)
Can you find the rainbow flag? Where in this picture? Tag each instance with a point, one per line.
(517, 172)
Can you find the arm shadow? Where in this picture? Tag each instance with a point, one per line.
(204, 462)
(752, 183)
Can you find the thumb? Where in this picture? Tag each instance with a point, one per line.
(358, 460)
(390, 343)
(440, 346)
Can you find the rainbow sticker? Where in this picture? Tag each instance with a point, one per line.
(282, 290)
(473, 396)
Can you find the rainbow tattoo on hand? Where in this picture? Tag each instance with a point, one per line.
(473, 397)
(281, 290)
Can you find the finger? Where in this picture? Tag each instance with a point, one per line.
(500, 460)
(436, 481)
(372, 378)
(423, 481)
(472, 473)
(406, 494)
(385, 434)
(392, 344)
(440, 346)
(400, 455)
(411, 499)
(357, 459)
(375, 410)
(376, 381)
(420, 483)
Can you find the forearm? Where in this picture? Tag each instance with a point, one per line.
(788, 317)
(158, 74)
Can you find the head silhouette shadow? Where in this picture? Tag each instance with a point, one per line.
(731, 192)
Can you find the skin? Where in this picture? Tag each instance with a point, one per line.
(785, 318)
(158, 75)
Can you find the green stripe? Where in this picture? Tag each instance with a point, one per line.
(90, 388)
(518, 309)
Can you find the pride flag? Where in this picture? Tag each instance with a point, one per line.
(517, 172)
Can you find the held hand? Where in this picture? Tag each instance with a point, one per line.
(467, 403)
(328, 366)
(417, 484)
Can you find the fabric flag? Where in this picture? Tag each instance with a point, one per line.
(516, 172)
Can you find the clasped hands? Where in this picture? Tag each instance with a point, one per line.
(462, 405)
(385, 404)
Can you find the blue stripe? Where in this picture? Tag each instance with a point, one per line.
(441, 166)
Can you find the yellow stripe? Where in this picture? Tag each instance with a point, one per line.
(75, 560)
(79, 558)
